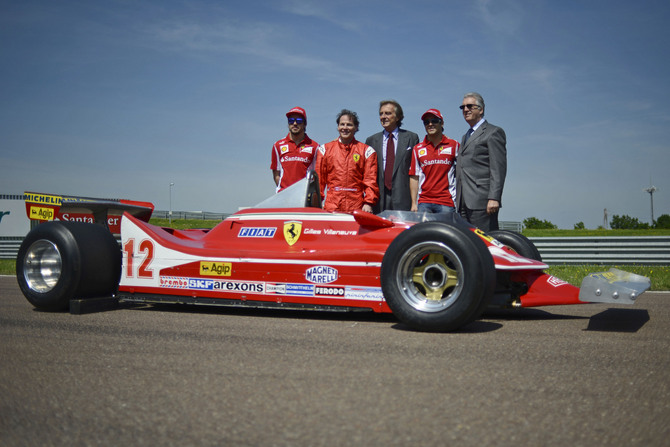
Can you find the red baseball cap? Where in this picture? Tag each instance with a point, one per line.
(432, 112)
(298, 111)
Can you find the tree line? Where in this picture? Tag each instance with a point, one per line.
(623, 222)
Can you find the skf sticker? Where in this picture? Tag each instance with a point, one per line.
(216, 268)
(292, 231)
(41, 213)
(356, 157)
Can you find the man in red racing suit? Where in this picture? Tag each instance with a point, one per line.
(347, 169)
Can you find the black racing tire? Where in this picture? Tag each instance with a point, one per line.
(58, 261)
(517, 242)
(437, 277)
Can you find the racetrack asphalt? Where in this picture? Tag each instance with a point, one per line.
(588, 375)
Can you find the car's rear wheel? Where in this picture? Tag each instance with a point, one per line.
(517, 242)
(58, 261)
(437, 277)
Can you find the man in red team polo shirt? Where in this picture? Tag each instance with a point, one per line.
(294, 155)
(433, 169)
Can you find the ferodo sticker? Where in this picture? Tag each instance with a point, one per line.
(216, 268)
(41, 213)
(328, 291)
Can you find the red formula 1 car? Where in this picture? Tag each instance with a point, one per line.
(434, 272)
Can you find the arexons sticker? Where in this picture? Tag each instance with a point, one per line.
(176, 282)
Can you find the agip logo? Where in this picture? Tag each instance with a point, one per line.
(41, 213)
(292, 231)
(216, 268)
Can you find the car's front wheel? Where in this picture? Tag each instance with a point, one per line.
(437, 277)
(517, 242)
(58, 261)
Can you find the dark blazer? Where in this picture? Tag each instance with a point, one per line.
(403, 157)
(481, 167)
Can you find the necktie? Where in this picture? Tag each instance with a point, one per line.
(467, 135)
(390, 159)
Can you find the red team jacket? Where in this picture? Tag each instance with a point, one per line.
(350, 175)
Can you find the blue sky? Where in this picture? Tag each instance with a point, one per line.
(121, 98)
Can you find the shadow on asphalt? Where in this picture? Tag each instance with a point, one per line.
(618, 320)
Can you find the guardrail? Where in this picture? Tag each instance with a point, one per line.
(9, 247)
(191, 215)
(644, 250)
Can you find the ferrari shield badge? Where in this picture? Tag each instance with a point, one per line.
(292, 231)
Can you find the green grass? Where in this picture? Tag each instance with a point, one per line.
(659, 274)
(184, 224)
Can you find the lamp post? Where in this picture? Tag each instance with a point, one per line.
(170, 213)
(651, 190)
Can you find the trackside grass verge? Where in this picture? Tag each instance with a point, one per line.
(659, 274)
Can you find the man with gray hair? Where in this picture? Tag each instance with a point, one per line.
(393, 146)
(481, 166)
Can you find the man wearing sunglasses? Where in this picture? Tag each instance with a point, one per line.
(294, 155)
(481, 168)
(432, 172)
(394, 153)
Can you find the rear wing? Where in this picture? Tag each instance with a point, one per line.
(107, 212)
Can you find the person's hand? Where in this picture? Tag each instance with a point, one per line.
(492, 207)
(367, 208)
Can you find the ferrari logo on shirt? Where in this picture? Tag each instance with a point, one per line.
(284, 149)
(292, 231)
(445, 151)
(357, 157)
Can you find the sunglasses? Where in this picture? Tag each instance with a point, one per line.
(469, 106)
(296, 120)
(431, 121)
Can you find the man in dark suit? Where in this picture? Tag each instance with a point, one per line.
(481, 167)
(393, 146)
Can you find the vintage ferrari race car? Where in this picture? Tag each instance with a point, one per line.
(434, 272)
